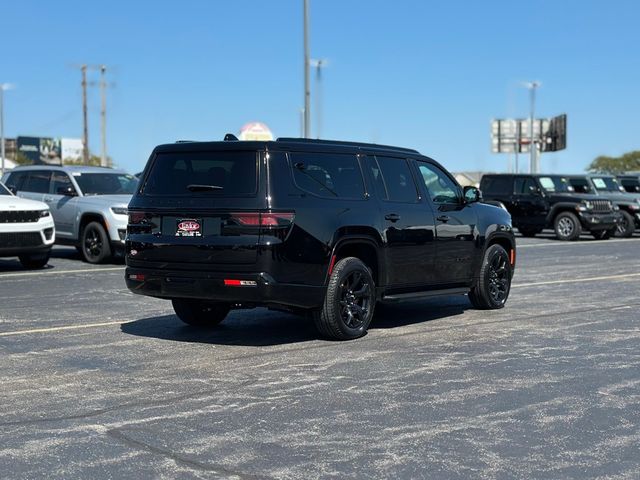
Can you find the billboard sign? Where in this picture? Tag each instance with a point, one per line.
(513, 135)
(39, 150)
(70, 149)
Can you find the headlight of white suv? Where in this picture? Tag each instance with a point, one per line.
(119, 210)
(44, 213)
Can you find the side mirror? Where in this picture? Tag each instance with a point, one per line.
(12, 189)
(471, 194)
(67, 191)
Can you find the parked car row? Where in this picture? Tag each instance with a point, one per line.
(568, 204)
(88, 204)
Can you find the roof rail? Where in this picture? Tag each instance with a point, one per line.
(185, 141)
(340, 142)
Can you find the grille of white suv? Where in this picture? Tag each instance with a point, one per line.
(19, 216)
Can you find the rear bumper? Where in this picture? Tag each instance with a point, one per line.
(261, 290)
(599, 221)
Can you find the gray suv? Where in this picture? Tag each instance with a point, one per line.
(88, 204)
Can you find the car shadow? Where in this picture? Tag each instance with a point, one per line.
(261, 327)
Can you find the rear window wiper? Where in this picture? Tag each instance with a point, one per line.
(203, 188)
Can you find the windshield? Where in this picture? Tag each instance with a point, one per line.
(555, 184)
(106, 183)
(606, 184)
(3, 190)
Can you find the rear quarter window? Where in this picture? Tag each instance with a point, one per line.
(234, 172)
(328, 175)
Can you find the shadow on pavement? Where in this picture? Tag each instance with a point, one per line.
(260, 327)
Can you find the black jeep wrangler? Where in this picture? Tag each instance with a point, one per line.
(320, 227)
(536, 202)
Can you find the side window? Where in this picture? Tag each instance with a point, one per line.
(524, 186)
(16, 179)
(329, 175)
(496, 185)
(59, 180)
(37, 181)
(440, 187)
(393, 180)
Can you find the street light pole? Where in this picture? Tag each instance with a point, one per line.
(307, 92)
(318, 65)
(3, 87)
(533, 159)
(85, 124)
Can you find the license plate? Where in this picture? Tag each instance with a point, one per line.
(189, 227)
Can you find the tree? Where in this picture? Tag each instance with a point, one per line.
(613, 165)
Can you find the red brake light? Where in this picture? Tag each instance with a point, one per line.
(267, 219)
(136, 217)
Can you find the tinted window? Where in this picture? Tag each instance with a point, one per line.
(631, 185)
(16, 179)
(580, 185)
(37, 181)
(328, 175)
(524, 186)
(60, 180)
(3, 190)
(229, 173)
(496, 185)
(393, 180)
(106, 183)
(440, 187)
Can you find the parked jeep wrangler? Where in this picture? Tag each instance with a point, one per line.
(323, 227)
(536, 202)
(608, 185)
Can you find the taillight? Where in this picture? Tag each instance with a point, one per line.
(140, 222)
(136, 217)
(266, 219)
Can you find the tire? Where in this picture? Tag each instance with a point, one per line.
(626, 227)
(349, 303)
(602, 234)
(491, 289)
(529, 232)
(94, 243)
(567, 226)
(35, 260)
(200, 313)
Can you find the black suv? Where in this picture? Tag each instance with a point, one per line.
(536, 202)
(609, 186)
(322, 227)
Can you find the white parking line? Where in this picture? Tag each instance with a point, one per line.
(576, 280)
(67, 327)
(558, 243)
(60, 272)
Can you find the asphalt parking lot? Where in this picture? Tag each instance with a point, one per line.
(99, 383)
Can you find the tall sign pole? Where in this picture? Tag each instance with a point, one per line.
(307, 92)
(533, 160)
(103, 115)
(2, 128)
(85, 125)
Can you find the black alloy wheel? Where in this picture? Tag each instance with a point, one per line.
(626, 225)
(95, 243)
(491, 289)
(349, 303)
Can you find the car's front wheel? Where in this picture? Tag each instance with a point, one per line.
(200, 313)
(35, 260)
(567, 226)
(626, 226)
(491, 288)
(349, 303)
(94, 243)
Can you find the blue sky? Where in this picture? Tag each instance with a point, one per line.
(423, 74)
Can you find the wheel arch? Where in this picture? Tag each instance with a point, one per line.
(88, 217)
(363, 247)
(503, 239)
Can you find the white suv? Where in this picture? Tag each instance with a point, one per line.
(26, 229)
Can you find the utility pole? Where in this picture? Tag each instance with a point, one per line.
(307, 92)
(319, 65)
(2, 87)
(302, 123)
(85, 131)
(533, 159)
(103, 115)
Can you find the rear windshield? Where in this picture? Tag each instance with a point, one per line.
(221, 174)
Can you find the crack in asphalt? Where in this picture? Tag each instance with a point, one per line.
(117, 434)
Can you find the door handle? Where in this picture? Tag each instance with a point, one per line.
(443, 218)
(392, 217)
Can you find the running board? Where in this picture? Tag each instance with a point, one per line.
(424, 294)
